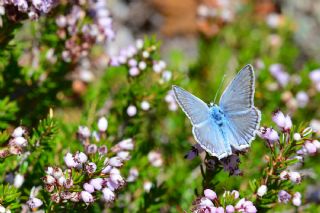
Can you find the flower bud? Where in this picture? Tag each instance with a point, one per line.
(230, 209)
(102, 124)
(96, 183)
(262, 190)
(296, 137)
(18, 132)
(88, 187)
(284, 175)
(34, 203)
(210, 194)
(131, 111)
(91, 167)
(18, 180)
(86, 197)
(310, 147)
(283, 196)
(295, 177)
(108, 195)
(296, 200)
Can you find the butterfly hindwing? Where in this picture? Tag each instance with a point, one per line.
(196, 110)
(211, 138)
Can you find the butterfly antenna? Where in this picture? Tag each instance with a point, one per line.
(220, 85)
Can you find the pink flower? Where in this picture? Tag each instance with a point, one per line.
(34, 203)
(284, 175)
(69, 161)
(87, 197)
(116, 177)
(210, 194)
(310, 147)
(262, 190)
(88, 187)
(115, 162)
(108, 195)
(283, 122)
(283, 196)
(133, 175)
(155, 158)
(91, 167)
(18, 132)
(269, 134)
(295, 177)
(230, 209)
(96, 183)
(126, 144)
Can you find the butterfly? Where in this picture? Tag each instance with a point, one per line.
(230, 125)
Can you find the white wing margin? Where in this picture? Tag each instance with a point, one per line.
(196, 110)
(238, 96)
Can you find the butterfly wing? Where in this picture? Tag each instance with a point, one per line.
(211, 138)
(195, 109)
(237, 104)
(238, 96)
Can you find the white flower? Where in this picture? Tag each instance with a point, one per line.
(116, 177)
(262, 190)
(84, 131)
(155, 158)
(20, 141)
(147, 185)
(86, 197)
(48, 179)
(296, 200)
(34, 203)
(296, 136)
(208, 193)
(132, 110)
(102, 124)
(18, 180)
(134, 71)
(81, 157)
(142, 65)
(145, 54)
(139, 43)
(295, 177)
(61, 180)
(106, 170)
(108, 195)
(91, 167)
(2, 209)
(284, 175)
(145, 105)
(123, 155)
(18, 132)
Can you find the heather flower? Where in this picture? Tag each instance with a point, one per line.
(18, 132)
(310, 147)
(302, 99)
(102, 124)
(131, 110)
(34, 203)
(230, 209)
(87, 197)
(96, 183)
(262, 190)
(296, 136)
(19, 141)
(231, 164)
(88, 187)
(108, 195)
(155, 158)
(296, 200)
(283, 122)
(133, 175)
(69, 160)
(283, 196)
(115, 162)
(92, 149)
(147, 185)
(145, 105)
(80, 157)
(284, 175)
(91, 167)
(295, 177)
(208, 193)
(279, 74)
(269, 134)
(18, 180)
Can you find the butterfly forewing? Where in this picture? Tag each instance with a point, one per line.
(238, 96)
(237, 104)
(196, 110)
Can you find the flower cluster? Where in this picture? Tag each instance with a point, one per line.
(92, 174)
(212, 15)
(15, 9)
(287, 150)
(141, 57)
(170, 99)
(17, 143)
(278, 72)
(230, 164)
(229, 202)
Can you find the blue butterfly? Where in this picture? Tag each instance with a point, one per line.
(231, 124)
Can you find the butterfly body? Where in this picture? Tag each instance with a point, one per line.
(231, 124)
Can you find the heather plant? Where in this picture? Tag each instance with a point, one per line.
(89, 121)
